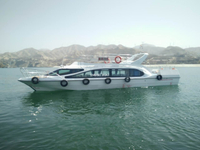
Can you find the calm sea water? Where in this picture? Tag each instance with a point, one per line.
(135, 118)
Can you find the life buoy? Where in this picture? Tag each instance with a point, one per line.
(159, 77)
(118, 59)
(35, 80)
(107, 62)
(63, 83)
(127, 79)
(107, 80)
(86, 81)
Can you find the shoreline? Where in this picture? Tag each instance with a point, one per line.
(173, 65)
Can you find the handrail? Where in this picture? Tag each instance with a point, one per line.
(32, 72)
(35, 72)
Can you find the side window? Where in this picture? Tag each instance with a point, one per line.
(68, 71)
(96, 73)
(120, 72)
(127, 72)
(76, 70)
(136, 73)
(105, 73)
(123, 72)
(114, 73)
(92, 74)
(88, 74)
(81, 75)
(63, 71)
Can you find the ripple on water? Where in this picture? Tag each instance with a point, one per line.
(134, 118)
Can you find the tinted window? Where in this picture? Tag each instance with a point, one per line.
(92, 74)
(105, 73)
(96, 73)
(108, 73)
(87, 74)
(136, 73)
(68, 71)
(81, 75)
(64, 71)
(120, 72)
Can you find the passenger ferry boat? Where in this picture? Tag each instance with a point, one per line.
(113, 73)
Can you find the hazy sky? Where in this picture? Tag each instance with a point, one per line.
(48, 24)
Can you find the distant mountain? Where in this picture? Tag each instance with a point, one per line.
(176, 55)
(31, 57)
(173, 50)
(149, 48)
(193, 50)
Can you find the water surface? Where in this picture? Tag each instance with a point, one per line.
(151, 118)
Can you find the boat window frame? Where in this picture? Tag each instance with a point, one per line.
(101, 73)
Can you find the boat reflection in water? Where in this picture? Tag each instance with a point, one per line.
(99, 100)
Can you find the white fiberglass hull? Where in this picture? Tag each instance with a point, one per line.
(99, 83)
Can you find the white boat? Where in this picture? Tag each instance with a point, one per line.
(116, 73)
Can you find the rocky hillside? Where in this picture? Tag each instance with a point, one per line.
(31, 57)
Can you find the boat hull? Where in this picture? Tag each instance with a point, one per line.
(95, 84)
